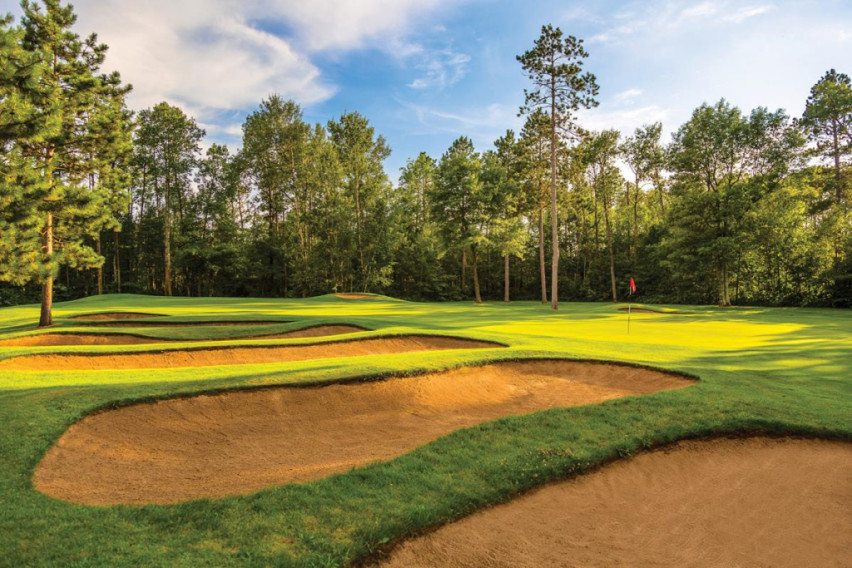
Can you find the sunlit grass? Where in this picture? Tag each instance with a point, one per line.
(770, 370)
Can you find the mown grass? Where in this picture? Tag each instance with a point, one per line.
(784, 371)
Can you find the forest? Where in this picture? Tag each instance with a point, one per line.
(739, 206)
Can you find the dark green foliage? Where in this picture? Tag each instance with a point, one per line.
(731, 211)
(63, 129)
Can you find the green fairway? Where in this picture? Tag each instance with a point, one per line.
(770, 370)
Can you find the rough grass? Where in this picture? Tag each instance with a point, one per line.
(784, 371)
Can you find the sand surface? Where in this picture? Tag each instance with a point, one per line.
(315, 331)
(59, 339)
(355, 296)
(213, 356)
(240, 442)
(723, 503)
(166, 323)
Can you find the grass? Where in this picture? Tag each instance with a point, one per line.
(776, 371)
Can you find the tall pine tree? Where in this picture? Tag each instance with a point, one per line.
(51, 211)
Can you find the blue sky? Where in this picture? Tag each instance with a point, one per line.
(427, 71)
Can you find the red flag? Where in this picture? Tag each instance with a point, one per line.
(632, 286)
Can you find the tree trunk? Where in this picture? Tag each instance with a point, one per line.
(116, 266)
(838, 185)
(167, 253)
(635, 221)
(101, 267)
(627, 187)
(476, 295)
(611, 253)
(505, 277)
(46, 317)
(724, 294)
(554, 225)
(541, 266)
(463, 267)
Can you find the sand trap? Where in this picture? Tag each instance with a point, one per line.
(59, 339)
(240, 442)
(314, 331)
(206, 357)
(111, 316)
(757, 502)
(165, 323)
(355, 296)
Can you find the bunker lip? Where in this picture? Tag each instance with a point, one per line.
(164, 452)
(61, 339)
(711, 502)
(112, 316)
(70, 338)
(313, 331)
(179, 323)
(240, 355)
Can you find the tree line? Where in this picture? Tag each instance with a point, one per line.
(738, 207)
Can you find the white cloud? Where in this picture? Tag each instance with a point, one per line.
(211, 55)
(346, 24)
(200, 55)
(625, 121)
(667, 18)
(626, 96)
(701, 10)
(483, 124)
(441, 68)
(745, 13)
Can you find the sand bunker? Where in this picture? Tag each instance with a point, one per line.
(206, 357)
(314, 331)
(59, 339)
(166, 323)
(355, 296)
(112, 316)
(240, 442)
(755, 502)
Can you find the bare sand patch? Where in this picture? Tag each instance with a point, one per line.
(248, 355)
(756, 502)
(239, 442)
(166, 323)
(355, 296)
(112, 316)
(313, 331)
(60, 339)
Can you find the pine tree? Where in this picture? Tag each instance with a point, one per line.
(555, 67)
(50, 210)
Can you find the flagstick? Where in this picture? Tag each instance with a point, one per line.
(628, 318)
